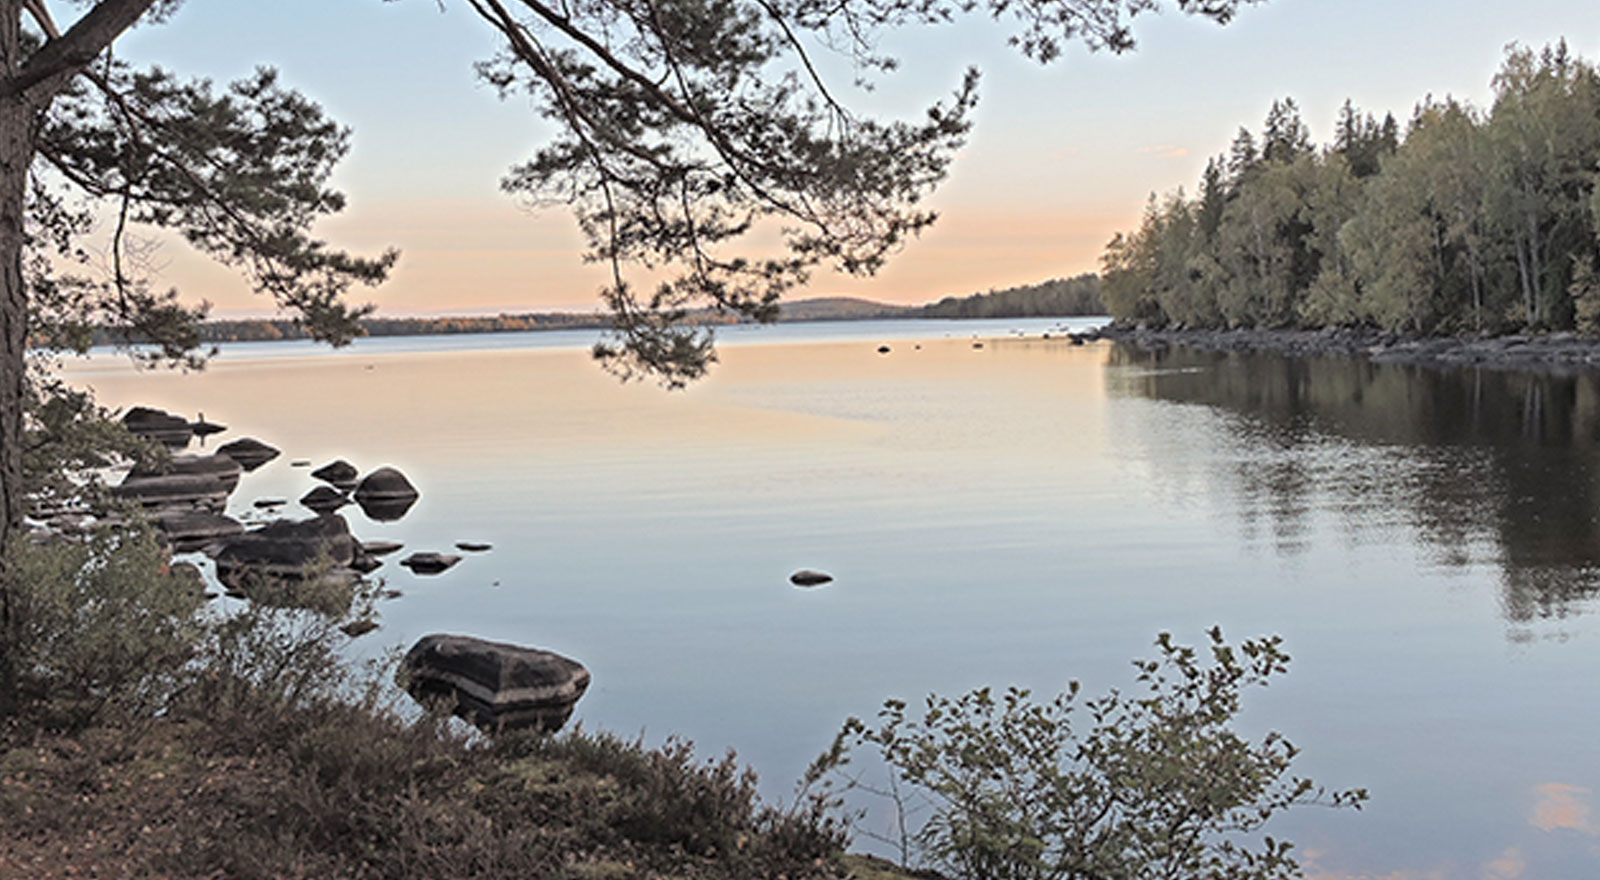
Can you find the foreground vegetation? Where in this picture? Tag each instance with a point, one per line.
(1480, 221)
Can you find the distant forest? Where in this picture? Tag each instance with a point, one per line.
(1470, 221)
(1061, 297)
(1056, 298)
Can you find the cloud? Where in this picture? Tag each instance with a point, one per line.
(1563, 806)
(1509, 866)
(1164, 151)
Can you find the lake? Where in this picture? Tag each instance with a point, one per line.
(1027, 512)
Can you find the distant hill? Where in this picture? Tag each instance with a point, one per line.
(1061, 297)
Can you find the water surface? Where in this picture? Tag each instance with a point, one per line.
(1022, 513)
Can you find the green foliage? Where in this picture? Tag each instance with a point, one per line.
(1150, 785)
(98, 630)
(1476, 222)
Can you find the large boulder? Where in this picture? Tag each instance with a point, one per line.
(158, 425)
(287, 550)
(385, 495)
(249, 452)
(494, 685)
(222, 467)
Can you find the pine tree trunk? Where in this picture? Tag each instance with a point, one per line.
(17, 121)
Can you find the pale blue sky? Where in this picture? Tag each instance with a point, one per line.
(1062, 157)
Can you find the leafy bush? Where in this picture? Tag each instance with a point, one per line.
(95, 630)
(1119, 787)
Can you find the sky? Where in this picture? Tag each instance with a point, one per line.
(1061, 158)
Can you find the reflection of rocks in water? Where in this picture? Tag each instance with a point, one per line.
(249, 452)
(340, 473)
(492, 684)
(158, 425)
(1484, 467)
(385, 495)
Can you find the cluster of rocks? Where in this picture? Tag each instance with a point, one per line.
(1551, 352)
(494, 685)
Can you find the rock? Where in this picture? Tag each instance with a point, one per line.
(340, 473)
(158, 425)
(429, 563)
(265, 503)
(248, 452)
(380, 548)
(190, 530)
(805, 577)
(385, 495)
(365, 563)
(324, 499)
(292, 550)
(494, 685)
(473, 546)
(222, 467)
(977, 345)
(300, 462)
(203, 428)
(883, 349)
(177, 490)
(358, 628)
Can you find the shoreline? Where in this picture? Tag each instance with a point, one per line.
(1564, 352)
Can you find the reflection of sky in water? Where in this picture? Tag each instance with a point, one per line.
(1019, 514)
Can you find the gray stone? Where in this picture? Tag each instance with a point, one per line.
(492, 684)
(340, 473)
(324, 499)
(385, 495)
(429, 563)
(806, 577)
(190, 530)
(287, 550)
(249, 452)
(158, 425)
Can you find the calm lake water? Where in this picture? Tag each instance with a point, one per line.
(1026, 513)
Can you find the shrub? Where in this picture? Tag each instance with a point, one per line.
(1155, 785)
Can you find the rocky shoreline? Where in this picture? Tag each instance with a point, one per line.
(1549, 353)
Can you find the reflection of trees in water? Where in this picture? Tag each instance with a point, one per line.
(1465, 458)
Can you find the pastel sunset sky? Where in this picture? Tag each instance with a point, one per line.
(1062, 156)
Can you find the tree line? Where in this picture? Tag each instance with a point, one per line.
(1058, 297)
(1470, 221)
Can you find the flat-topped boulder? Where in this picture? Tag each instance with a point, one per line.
(159, 425)
(189, 481)
(249, 452)
(494, 685)
(340, 473)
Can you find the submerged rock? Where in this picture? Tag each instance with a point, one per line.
(806, 577)
(493, 684)
(429, 563)
(473, 546)
(380, 548)
(249, 452)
